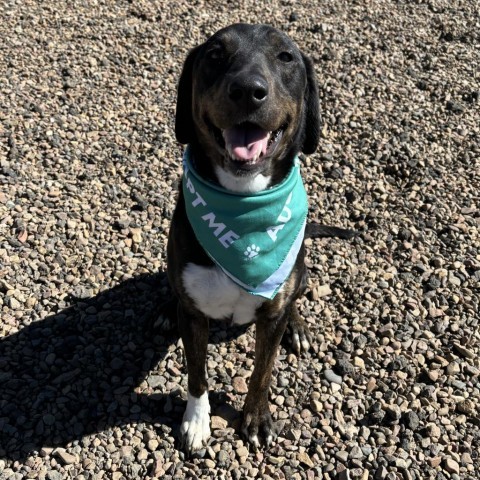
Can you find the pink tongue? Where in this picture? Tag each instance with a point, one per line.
(246, 142)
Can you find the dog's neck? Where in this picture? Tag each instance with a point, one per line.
(250, 184)
(213, 172)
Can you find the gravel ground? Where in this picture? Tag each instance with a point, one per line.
(89, 168)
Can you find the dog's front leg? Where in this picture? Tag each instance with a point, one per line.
(195, 427)
(257, 422)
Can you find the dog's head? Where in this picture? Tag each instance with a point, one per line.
(247, 103)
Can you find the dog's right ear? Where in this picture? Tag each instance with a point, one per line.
(184, 127)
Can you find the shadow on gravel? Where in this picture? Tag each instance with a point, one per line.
(74, 373)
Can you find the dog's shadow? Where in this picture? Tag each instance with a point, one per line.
(75, 372)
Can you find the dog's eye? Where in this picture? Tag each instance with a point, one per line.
(285, 57)
(215, 54)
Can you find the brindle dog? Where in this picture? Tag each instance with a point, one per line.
(247, 105)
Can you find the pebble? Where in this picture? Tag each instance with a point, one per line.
(65, 457)
(218, 422)
(381, 473)
(434, 462)
(394, 412)
(332, 377)
(451, 465)
(54, 475)
(453, 368)
(411, 420)
(356, 452)
(465, 352)
(223, 459)
(342, 455)
(469, 407)
(240, 385)
(304, 459)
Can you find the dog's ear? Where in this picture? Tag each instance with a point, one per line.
(184, 127)
(311, 110)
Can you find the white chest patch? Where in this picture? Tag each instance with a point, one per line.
(242, 184)
(217, 296)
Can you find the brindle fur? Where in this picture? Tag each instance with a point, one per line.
(203, 104)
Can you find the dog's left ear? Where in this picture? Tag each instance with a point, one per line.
(184, 127)
(311, 110)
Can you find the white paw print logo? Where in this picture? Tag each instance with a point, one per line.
(251, 251)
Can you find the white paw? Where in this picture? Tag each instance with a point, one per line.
(195, 427)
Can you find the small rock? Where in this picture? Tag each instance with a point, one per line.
(65, 457)
(434, 462)
(54, 475)
(142, 455)
(465, 352)
(371, 384)
(316, 405)
(342, 455)
(451, 466)
(303, 457)
(344, 475)
(467, 407)
(136, 235)
(240, 385)
(46, 451)
(411, 420)
(218, 422)
(466, 458)
(344, 367)
(48, 419)
(433, 430)
(156, 381)
(223, 459)
(356, 452)
(293, 434)
(459, 384)
(242, 452)
(332, 377)
(453, 368)
(381, 473)
(323, 290)
(394, 413)
(152, 445)
(359, 363)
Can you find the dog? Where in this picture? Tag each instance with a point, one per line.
(247, 105)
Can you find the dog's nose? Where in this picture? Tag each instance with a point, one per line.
(251, 89)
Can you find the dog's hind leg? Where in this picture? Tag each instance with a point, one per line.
(258, 426)
(164, 318)
(300, 336)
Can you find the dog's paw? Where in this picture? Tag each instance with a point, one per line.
(165, 318)
(259, 429)
(195, 429)
(301, 338)
(164, 323)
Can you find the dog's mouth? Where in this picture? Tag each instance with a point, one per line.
(247, 144)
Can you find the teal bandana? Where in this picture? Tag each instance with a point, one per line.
(253, 238)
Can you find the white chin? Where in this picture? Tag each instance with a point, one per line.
(244, 184)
